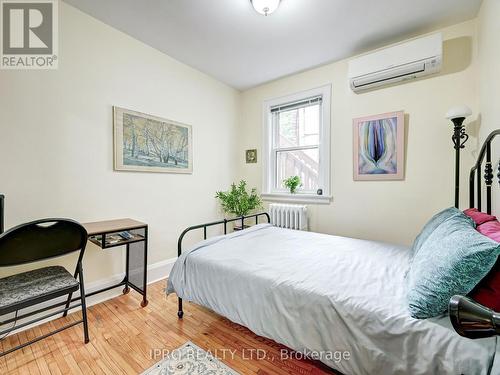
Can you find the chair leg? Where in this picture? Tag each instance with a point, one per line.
(65, 313)
(84, 305)
(71, 294)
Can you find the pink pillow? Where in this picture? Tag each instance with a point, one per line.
(478, 216)
(487, 292)
(490, 229)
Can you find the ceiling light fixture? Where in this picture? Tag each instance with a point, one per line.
(265, 7)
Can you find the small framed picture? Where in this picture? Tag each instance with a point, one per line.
(251, 156)
(379, 147)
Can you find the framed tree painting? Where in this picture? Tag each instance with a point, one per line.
(148, 143)
(379, 147)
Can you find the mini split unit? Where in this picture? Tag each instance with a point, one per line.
(402, 62)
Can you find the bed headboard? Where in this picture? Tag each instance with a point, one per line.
(475, 177)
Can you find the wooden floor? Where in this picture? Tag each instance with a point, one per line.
(124, 337)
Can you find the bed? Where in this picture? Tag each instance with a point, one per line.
(325, 296)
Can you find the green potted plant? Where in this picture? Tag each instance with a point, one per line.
(238, 200)
(292, 183)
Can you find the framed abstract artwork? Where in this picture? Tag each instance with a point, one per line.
(148, 143)
(379, 147)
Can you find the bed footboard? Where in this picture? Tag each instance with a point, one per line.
(180, 312)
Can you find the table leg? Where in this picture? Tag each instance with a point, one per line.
(126, 290)
(144, 302)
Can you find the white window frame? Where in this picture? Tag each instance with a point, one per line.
(269, 192)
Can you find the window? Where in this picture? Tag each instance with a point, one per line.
(297, 143)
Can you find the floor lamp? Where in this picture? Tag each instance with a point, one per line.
(457, 115)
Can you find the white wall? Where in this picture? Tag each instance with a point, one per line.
(56, 146)
(489, 65)
(389, 211)
(489, 76)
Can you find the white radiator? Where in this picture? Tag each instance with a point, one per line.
(292, 216)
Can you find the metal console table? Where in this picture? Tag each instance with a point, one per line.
(106, 234)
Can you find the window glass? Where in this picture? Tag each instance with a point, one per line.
(299, 127)
(302, 163)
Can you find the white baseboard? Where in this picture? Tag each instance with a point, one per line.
(156, 272)
(160, 270)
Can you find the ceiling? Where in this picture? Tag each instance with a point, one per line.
(228, 40)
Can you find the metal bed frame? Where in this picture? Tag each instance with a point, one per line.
(180, 312)
(475, 196)
(469, 318)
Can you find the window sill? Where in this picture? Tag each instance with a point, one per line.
(297, 198)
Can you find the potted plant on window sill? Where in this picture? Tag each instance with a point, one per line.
(292, 183)
(239, 201)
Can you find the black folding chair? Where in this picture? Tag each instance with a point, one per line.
(32, 242)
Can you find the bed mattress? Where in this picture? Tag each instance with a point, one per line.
(325, 295)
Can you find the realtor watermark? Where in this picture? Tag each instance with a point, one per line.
(29, 34)
(336, 356)
(250, 354)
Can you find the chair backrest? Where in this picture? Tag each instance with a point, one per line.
(41, 239)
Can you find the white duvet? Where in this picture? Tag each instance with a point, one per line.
(326, 295)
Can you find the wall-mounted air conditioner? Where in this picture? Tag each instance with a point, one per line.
(405, 61)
